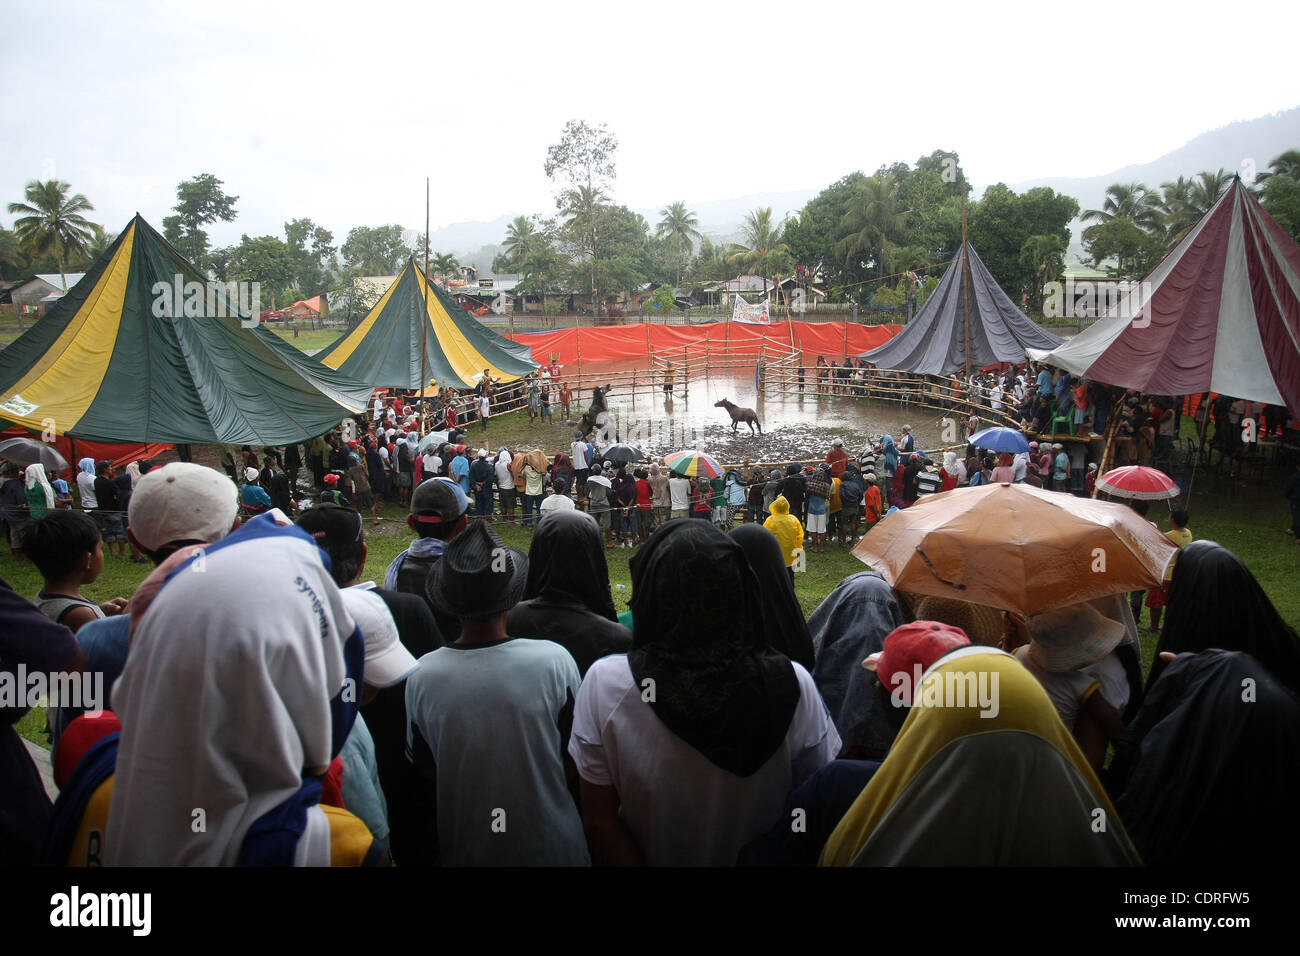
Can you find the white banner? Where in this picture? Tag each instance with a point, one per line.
(756, 314)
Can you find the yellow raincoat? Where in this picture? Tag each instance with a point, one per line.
(786, 527)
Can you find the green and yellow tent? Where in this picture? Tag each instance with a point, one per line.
(384, 348)
(144, 349)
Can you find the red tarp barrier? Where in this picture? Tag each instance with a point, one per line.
(602, 343)
(74, 449)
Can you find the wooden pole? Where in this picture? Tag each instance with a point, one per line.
(577, 334)
(965, 283)
(1200, 443)
(424, 318)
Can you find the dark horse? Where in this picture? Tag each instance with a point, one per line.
(738, 415)
(591, 417)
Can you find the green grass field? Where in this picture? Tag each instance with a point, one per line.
(308, 340)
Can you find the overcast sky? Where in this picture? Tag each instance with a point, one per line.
(338, 111)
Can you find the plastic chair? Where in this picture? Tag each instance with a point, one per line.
(1067, 419)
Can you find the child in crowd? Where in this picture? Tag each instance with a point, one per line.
(67, 549)
(1157, 598)
(788, 531)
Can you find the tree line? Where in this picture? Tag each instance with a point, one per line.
(880, 239)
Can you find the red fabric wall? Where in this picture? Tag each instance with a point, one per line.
(74, 449)
(634, 341)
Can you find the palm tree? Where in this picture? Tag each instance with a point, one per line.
(873, 220)
(522, 241)
(679, 227)
(1287, 164)
(1045, 255)
(443, 264)
(1132, 201)
(1207, 188)
(51, 222)
(1176, 208)
(763, 250)
(906, 260)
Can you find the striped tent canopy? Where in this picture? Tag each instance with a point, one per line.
(1221, 313)
(119, 358)
(384, 349)
(934, 342)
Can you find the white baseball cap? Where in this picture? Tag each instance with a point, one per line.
(387, 659)
(182, 501)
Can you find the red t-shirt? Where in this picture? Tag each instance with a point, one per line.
(643, 494)
(837, 458)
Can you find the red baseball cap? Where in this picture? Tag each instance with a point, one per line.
(919, 643)
(331, 479)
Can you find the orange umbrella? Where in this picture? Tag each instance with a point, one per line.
(1016, 547)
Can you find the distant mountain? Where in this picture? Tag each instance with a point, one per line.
(1244, 147)
(463, 239)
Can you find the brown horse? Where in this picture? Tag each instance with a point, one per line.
(738, 415)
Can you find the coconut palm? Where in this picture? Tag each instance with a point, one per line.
(874, 220)
(1287, 164)
(1176, 208)
(444, 264)
(1207, 188)
(679, 228)
(522, 241)
(1132, 201)
(762, 250)
(1045, 255)
(51, 222)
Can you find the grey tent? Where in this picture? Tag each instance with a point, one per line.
(934, 342)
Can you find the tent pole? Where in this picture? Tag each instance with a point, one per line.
(424, 319)
(577, 335)
(1200, 445)
(965, 285)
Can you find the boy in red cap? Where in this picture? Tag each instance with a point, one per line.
(907, 653)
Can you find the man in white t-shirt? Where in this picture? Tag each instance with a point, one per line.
(432, 464)
(557, 500)
(679, 495)
(581, 466)
(486, 713)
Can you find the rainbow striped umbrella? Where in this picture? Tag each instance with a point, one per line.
(693, 464)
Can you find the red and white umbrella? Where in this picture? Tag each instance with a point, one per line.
(1140, 482)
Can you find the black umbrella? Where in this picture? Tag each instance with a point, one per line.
(621, 454)
(29, 451)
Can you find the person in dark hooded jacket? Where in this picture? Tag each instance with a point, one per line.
(776, 598)
(1214, 601)
(566, 597)
(1212, 765)
(795, 488)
